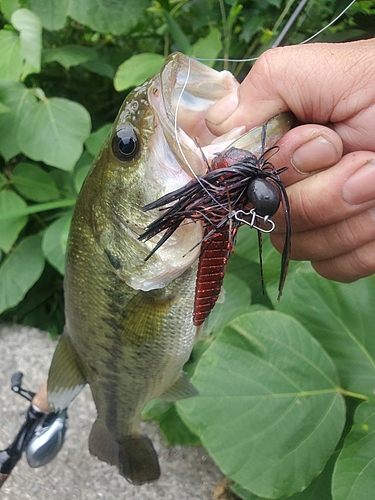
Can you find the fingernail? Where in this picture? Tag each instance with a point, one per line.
(222, 109)
(317, 151)
(360, 186)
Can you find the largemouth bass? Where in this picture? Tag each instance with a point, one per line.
(129, 320)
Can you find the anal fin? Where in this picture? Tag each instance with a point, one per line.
(181, 389)
(65, 378)
(102, 444)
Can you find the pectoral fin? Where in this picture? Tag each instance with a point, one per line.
(65, 378)
(181, 389)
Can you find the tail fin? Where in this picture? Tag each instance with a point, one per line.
(138, 461)
(134, 456)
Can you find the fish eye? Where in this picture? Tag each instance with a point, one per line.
(125, 144)
(264, 195)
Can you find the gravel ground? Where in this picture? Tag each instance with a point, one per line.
(188, 473)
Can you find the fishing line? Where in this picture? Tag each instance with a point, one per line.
(279, 39)
(178, 141)
(330, 24)
(282, 34)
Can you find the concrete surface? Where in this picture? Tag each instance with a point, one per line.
(188, 473)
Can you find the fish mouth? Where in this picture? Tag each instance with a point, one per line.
(180, 148)
(185, 90)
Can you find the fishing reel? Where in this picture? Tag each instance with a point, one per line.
(41, 436)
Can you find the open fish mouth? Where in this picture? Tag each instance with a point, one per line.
(188, 89)
(181, 148)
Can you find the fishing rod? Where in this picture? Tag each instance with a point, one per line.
(42, 434)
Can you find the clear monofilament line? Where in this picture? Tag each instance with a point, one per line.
(279, 39)
(178, 141)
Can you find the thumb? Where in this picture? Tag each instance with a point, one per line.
(309, 80)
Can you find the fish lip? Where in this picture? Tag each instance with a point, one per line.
(181, 96)
(187, 88)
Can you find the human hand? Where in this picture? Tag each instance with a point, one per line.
(330, 88)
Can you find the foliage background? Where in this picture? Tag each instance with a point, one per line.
(280, 384)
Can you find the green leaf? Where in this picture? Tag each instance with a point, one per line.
(34, 183)
(269, 409)
(234, 300)
(11, 227)
(11, 61)
(137, 69)
(3, 181)
(95, 141)
(177, 33)
(81, 170)
(30, 28)
(3, 108)
(19, 100)
(174, 430)
(340, 316)
(52, 13)
(53, 131)
(319, 489)
(19, 271)
(208, 47)
(354, 474)
(55, 240)
(115, 16)
(7, 7)
(100, 67)
(69, 55)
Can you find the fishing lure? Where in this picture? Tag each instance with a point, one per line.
(239, 188)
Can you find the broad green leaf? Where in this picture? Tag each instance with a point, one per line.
(115, 16)
(30, 28)
(174, 430)
(69, 55)
(34, 183)
(81, 170)
(245, 263)
(18, 99)
(340, 316)
(177, 33)
(95, 141)
(234, 300)
(3, 181)
(11, 227)
(11, 61)
(137, 69)
(208, 47)
(7, 7)
(269, 409)
(319, 489)
(19, 271)
(354, 475)
(64, 181)
(100, 67)
(80, 177)
(3, 108)
(52, 13)
(53, 130)
(55, 240)
(247, 244)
